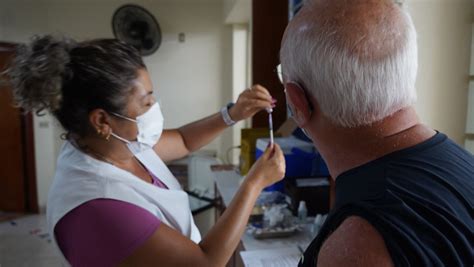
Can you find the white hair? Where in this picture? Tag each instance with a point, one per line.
(352, 88)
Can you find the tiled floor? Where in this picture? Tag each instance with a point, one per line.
(25, 242)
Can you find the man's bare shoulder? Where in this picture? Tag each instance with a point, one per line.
(354, 243)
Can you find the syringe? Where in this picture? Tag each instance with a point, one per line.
(270, 124)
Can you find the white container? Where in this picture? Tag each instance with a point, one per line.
(302, 212)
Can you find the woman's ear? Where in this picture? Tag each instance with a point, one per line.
(298, 103)
(99, 120)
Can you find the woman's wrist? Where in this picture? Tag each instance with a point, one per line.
(233, 113)
(227, 115)
(253, 184)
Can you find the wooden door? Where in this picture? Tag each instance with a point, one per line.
(17, 171)
(269, 20)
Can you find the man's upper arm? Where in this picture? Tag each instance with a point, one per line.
(354, 243)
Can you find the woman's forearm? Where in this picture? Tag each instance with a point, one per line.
(221, 241)
(178, 143)
(169, 247)
(193, 136)
(202, 132)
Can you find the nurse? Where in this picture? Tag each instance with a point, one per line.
(113, 200)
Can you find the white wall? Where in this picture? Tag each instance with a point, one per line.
(228, 6)
(190, 78)
(444, 40)
(237, 11)
(240, 65)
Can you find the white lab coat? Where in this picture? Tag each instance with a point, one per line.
(80, 178)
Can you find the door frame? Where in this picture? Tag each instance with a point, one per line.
(29, 167)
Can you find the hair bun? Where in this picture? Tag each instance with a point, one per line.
(38, 70)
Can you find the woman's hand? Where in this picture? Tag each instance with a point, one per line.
(269, 168)
(250, 102)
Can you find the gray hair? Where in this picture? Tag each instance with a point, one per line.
(70, 78)
(358, 73)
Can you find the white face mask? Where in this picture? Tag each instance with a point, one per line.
(150, 127)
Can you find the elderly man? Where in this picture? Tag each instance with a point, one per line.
(404, 192)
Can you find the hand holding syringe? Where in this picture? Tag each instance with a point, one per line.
(251, 101)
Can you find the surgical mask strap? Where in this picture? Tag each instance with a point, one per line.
(121, 138)
(123, 117)
(118, 137)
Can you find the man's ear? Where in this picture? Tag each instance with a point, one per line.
(299, 103)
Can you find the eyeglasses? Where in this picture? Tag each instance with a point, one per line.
(279, 73)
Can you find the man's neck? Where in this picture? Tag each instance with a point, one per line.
(346, 148)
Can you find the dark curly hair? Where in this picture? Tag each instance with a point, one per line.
(70, 79)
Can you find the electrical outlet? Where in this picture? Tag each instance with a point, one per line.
(44, 124)
(181, 37)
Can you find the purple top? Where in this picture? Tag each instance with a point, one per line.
(104, 232)
(158, 182)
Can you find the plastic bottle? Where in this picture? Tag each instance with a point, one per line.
(316, 225)
(302, 212)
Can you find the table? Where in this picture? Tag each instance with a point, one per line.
(228, 181)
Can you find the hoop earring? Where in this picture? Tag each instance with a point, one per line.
(103, 135)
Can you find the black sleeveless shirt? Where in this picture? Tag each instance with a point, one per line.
(420, 199)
